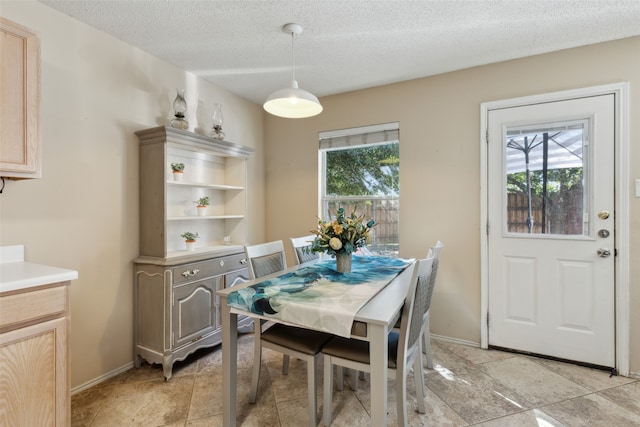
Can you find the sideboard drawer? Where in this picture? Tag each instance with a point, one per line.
(212, 267)
(194, 271)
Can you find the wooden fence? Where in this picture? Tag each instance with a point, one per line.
(384, 213)
(564, 213)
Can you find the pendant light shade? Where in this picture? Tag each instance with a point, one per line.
(293, 102)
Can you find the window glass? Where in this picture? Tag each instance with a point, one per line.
(365, 178)
(546, 172)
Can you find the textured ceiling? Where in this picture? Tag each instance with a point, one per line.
(348, 44)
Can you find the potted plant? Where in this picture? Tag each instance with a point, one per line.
(178, 170)
(202, 204)
(190, 240)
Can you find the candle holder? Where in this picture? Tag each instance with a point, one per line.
(218, 119)
(180, 108)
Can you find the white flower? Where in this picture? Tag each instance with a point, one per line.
(335, 243)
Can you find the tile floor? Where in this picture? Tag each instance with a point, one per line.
(468, 386)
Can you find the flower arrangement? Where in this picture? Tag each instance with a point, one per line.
(344, 235)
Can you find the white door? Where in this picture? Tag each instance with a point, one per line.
(551, 229)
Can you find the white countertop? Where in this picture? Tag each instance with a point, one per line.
(17, 274)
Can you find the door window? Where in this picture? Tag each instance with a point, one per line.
(546, 179)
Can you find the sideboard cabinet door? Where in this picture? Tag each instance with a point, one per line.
(193, 310)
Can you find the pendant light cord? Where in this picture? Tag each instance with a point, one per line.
(293, 56)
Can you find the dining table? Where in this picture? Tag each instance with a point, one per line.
(376, 312)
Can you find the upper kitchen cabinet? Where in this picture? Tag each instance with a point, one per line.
(19, 102)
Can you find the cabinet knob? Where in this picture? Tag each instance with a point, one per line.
(243, 261)
(221, 263)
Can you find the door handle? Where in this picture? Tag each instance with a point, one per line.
(603, 253)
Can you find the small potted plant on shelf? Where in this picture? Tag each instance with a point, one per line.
(202, 204)
(178, 170)
(190, 240)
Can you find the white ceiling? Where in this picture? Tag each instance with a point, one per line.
(349, 44)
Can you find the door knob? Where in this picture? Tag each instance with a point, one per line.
(603, 214)
(603, 253)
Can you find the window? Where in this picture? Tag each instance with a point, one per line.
(359, 169)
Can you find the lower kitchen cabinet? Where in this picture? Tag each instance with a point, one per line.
(34, 361)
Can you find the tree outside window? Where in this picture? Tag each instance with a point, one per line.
(365, 178)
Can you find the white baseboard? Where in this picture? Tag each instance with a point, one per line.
(101, 378)
(455, 340)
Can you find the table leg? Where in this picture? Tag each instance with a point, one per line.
(378, 348)
(229, 364)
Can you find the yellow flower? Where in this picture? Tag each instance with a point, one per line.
(337, 228)
(335, 243)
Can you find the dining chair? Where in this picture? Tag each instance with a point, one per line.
(304, 344)
(426, 335)
(299, 244)
(404, 348)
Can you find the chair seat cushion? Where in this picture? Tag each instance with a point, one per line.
(303, 340)
(358, 351)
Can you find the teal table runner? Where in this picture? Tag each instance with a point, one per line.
(317, 296)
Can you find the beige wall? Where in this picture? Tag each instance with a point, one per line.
(83, 213)
(440, 157)
(97, 91)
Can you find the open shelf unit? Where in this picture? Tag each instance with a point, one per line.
(214, 169)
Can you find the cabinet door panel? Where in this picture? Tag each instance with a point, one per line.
(33, 387)
(20, 101)
(236, 278)
(232, 279)
(193, 310)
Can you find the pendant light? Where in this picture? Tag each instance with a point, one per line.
(293, 102)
